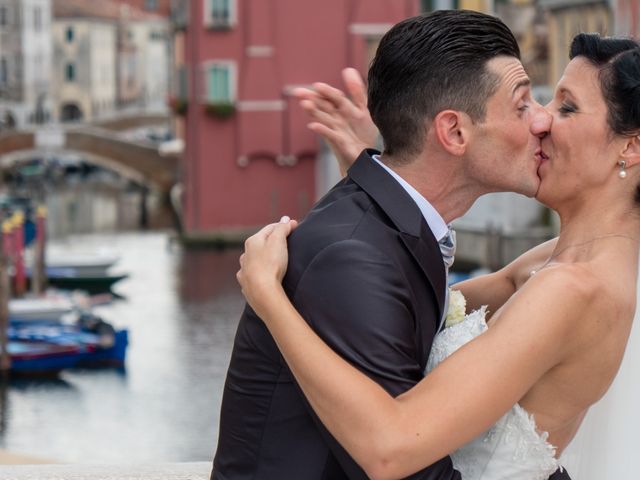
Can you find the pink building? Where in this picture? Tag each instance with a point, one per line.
(626, 17)
(249, 157)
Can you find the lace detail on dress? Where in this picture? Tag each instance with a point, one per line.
(510, 449)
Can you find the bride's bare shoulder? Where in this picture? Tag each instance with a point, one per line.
(579, 280)
(558, 294)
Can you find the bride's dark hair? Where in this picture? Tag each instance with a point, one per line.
(619, 62)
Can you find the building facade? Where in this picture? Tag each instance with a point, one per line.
(159, 7)
(108, 56)
(84, 74)
(566, 18)
(249, 157)
(626, 17)
(25, 62)
(143, 60)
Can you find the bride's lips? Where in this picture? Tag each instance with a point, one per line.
(540, 155)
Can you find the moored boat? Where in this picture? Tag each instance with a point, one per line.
(46, 347)
(42, 308)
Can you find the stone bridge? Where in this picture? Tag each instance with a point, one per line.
(104, 144)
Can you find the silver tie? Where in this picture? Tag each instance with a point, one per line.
(448, 248)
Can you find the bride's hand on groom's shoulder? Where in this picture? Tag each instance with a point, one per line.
(264, 262)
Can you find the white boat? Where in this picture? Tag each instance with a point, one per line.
(78, 264)
(46, 308)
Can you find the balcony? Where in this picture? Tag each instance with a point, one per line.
(179, 14)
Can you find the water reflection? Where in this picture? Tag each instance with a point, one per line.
(181, 308)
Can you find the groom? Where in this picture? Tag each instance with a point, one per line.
(368, 265)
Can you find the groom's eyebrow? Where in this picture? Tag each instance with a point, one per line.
(521, 84)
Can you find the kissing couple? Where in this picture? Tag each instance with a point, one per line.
(353, 359)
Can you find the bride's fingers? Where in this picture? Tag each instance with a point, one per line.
(284, 226)
(334, 95)
(355, 87)
(347, 144)
(303, 92)
(324, 105)
(259, 237)
(333, 122)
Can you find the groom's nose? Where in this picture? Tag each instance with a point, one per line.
(541, 122)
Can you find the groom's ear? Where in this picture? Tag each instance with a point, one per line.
(631, 152)
(450, 129)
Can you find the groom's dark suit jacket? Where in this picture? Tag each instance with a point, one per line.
(366, 272)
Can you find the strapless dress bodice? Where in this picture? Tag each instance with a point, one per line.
(511, 449)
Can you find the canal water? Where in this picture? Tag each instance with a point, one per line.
(181, 309)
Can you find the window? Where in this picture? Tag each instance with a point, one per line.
(220, 82)
(4, 16)
(70, 72)
(179, 13)
(151, 5)
(181, 86)
(37, 19)
(4, 72)
(220, 13)
(433, 5)
(70, 34)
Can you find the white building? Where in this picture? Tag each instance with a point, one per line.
(25, 62)
(155, 62)
(85, 66)
(144, 64)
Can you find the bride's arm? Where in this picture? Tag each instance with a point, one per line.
(494, 289)
(461, 398)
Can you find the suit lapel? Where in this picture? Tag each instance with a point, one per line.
(407, 218)
(430, 261)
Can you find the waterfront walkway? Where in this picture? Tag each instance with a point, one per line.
(169, 471)
(11, 458)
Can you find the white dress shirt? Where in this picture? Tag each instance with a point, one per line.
(436, 223)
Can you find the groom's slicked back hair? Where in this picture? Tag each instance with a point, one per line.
(430, 63)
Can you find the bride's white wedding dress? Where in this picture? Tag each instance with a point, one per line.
(511, 449)
(606, 446)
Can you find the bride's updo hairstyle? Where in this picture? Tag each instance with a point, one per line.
(618, 60)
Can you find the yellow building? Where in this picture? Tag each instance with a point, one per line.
(486, 6)
(566, 18)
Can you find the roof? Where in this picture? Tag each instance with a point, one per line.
(103, 9)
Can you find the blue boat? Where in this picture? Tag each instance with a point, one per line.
(41, 358)
(46, 347)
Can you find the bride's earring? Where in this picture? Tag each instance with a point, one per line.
(622, 173)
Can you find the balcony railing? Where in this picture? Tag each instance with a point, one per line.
(179, 14)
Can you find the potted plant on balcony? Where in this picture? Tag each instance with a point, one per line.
(178, 105)
(220, 109)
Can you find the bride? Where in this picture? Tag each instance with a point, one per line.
(513, 395)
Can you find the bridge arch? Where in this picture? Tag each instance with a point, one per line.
(137, 160)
